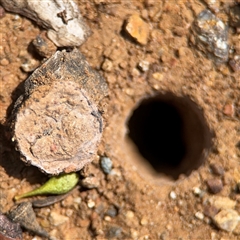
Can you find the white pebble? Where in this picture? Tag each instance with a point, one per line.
(173, 195)
(91, 203)
(77, 200)
(199, 215)
(107, 218)
(144, 65)
(129, 214)
(197, 191)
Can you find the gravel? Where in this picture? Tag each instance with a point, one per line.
(106, 164)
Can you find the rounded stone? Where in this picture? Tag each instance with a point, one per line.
(215, 185)
(106, 164)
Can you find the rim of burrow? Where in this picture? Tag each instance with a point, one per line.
(168, 137)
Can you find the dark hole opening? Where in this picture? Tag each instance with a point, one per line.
(170, 132)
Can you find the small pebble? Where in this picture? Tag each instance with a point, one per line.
(169, 227)
(44, 46)
(180, 203)
(90, 203)
(77, 200)
(106, 164)
(164, 235)
(197, 191)
(210, 211)
(83, 222)
(226, 220)
(144, 221)
(112, 211)
(143, 65)
(107, 65)
(158, 76)
(213, 236)
(199, 215)
(116, 172)
(57, 219)
(30, 65)
(135, 73)
(129, 214)
(235, 63)
(173, 195)
(134, 234)
(217, 169)
(107, 218)
(215, 185)
(137, 28)
(114, 232)
(69, 212)
(4, 62)
(90, 182)
(229, 110)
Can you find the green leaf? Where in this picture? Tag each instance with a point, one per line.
(55, 185)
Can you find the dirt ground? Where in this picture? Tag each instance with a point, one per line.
(136, 200)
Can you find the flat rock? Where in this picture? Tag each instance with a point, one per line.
(56, 122)
(222, 202)
(226, 220)
(57, 219)
(137, 29)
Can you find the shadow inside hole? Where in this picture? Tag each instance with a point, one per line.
(170, 132)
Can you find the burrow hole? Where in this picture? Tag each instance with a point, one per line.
(171, 133)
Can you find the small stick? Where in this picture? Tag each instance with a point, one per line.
(52, 199)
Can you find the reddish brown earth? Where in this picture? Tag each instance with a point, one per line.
(135, 201)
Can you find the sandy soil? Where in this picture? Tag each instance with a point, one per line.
(195, 98)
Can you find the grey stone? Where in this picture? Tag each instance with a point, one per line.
(211, 36)
(106, 164)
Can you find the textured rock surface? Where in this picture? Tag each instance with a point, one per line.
(211, 36)
(222, 202)
(9, 230)
(57, 125)
(227, 220)
(61, 17)
(137, 29)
